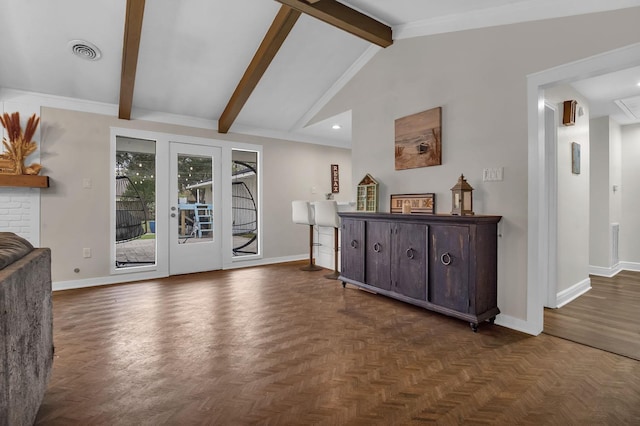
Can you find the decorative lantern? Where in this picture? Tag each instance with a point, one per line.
(462, 198)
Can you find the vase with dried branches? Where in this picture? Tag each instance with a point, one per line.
(19, 145)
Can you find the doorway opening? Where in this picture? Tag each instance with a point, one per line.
(541, 217)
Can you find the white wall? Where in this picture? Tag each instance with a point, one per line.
(630, 188)
(76, 145)
(615, 171)
(573, 192)
(479, 77)
(606, 204)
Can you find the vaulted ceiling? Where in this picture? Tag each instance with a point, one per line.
(188, 57)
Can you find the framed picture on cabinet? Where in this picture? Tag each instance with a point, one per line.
(413, 203)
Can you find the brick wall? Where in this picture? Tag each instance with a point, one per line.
(19, 212)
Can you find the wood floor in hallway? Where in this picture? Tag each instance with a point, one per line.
(275, 345)
(606, 317)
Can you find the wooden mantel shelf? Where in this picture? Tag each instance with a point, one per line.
(31, 181)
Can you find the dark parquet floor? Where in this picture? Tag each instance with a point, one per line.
(277, 346)
(606, 317)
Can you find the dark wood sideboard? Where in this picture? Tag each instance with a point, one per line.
(444, 263)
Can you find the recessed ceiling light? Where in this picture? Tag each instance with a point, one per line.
(639, 84)
(336, 127)
(85, 50)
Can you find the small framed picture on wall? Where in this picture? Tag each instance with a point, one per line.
(575, 158)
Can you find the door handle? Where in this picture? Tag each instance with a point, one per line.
(445, 259)
(173, 215)
(410, 253)
(376, 247)
(173, 208)
(354, 244)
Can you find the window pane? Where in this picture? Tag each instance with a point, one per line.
(135, 202)
(244, 186)
(195, 197)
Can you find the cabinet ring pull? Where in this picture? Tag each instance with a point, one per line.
(376, 247)
(354, 244)
(410, 253)
(445, 259)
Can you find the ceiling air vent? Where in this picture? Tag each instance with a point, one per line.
(630, 106)
(85, 50)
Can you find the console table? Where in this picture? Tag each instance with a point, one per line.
(444, 263)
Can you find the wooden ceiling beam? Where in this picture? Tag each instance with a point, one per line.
(345, 18)
(273, 39)
(130, 48)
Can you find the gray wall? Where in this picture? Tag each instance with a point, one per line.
(479, 77)
(76, 145)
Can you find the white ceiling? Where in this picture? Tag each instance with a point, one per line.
(193, 53)
(603, 91)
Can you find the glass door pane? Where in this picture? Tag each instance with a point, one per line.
(195, 196)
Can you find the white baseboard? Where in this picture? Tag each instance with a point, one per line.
(100, 281)
(121, 279)
(573, 292)
(630, 266)
(268, 261)
(602, 271)
(517, 324)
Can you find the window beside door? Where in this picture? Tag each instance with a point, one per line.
(244, 202)
(135, 202)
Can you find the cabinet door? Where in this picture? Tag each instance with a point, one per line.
(378, 254)
(352, 248)
(449, 269)
(410, 255)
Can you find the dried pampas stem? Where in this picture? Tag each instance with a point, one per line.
(19, 145)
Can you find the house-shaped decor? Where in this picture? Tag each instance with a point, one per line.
(367, 200)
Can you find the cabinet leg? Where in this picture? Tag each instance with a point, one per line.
(492, 320)
(474, 327)
(344, 285)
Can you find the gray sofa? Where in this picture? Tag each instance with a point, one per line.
(26, 333)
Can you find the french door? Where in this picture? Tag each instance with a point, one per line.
(195, 222)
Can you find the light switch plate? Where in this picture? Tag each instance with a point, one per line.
(493, 174)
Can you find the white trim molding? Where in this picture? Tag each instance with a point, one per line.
(239, 263)
(516, 324)
(510, 13)
(565, 296)
(603, 271)
(100, 281)
(629, 266)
